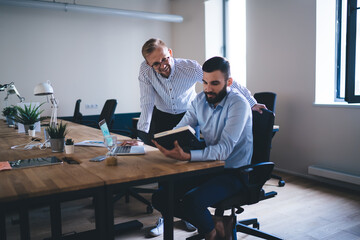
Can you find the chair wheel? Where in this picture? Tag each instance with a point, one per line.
(256, 225)
(149, 209)
(281, 183)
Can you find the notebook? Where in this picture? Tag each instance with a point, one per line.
(121, 150)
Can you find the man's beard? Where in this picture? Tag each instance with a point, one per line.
(218, 97)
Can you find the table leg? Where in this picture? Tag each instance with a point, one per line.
(109, 214)
(169, 215)
(24, 224)
(55, 220)
(2, 225)
(100, 216)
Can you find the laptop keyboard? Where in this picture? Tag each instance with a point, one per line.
(122, 149)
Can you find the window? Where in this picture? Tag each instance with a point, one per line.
(352, 84)
(235, 38)
(225, 34)
(331, 61)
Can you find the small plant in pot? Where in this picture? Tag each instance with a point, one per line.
(69, 146)
(28, 115)
(57, 137)
(31, 131)
(9, 113)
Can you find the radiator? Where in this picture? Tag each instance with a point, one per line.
(333, 174)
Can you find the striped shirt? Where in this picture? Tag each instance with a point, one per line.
(173, 94)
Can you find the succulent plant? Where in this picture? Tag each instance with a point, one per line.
(69, 141)
(58, 131)
(28, 115)
(9, 111)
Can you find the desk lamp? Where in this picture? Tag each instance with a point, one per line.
(11, 89)
(46, 89)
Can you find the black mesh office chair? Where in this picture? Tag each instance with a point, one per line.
(77, 114)
(258, 173)
(269, 99)
(107, 113)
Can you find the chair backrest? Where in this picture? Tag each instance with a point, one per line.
(267, 98)
(262, 134)
(108, 112)
(77, 115)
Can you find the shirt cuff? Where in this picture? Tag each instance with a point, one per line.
(252, 101)
(196, 155)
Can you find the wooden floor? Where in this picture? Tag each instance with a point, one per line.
(302, 210)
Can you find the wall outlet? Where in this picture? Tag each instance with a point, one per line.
(91, 106)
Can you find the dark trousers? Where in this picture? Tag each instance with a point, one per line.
(193, 196)
(162, 121)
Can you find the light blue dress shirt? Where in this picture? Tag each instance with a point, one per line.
(175, 93)
(227, 129)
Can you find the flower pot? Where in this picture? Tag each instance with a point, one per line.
(69, 149)
(10, 122)
(57, 144)
(32, 133)
(26, 128)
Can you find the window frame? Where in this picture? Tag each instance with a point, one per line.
(350, 96)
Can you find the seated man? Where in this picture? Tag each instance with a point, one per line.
(225, 120)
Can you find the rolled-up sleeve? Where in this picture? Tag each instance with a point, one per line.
(147, 98)
(245, 92)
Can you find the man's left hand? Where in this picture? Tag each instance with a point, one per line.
(177, 152)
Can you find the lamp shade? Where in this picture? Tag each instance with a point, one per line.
(43, 89)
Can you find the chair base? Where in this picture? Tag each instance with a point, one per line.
(242, 226)
(281, 181)
(132, 192)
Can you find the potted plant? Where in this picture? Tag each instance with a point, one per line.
(9, 113)
(28, 115)
(69, 146)
(57, 136)
(31, 131)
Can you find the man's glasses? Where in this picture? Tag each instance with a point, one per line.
(156, 65)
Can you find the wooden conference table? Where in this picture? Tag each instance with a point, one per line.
(50, 185)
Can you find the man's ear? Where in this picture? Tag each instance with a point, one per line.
(170, 52)
(229, 81)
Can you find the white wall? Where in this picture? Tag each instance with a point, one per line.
(281, 58)
(87, 56)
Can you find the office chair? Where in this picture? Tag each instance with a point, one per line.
(107, 113)
(258, 173)
(269, 99)
(77, 114)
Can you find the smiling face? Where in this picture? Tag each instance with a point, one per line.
(159, 60)
(214, 85)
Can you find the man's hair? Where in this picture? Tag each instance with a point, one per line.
(217, 63)
(150, 45)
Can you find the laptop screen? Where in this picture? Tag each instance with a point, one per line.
(105, 131)
(104, 128)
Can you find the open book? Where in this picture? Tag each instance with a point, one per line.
(184, 135)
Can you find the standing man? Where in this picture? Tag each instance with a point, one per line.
(167, 87)
(225, 120)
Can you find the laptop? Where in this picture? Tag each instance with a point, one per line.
(121, 150)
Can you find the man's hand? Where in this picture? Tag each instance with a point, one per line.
(176, 153)
(257, 107)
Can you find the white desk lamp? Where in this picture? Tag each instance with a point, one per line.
(11, 89)
(46, 89)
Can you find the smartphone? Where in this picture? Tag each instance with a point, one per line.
(98, 159)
